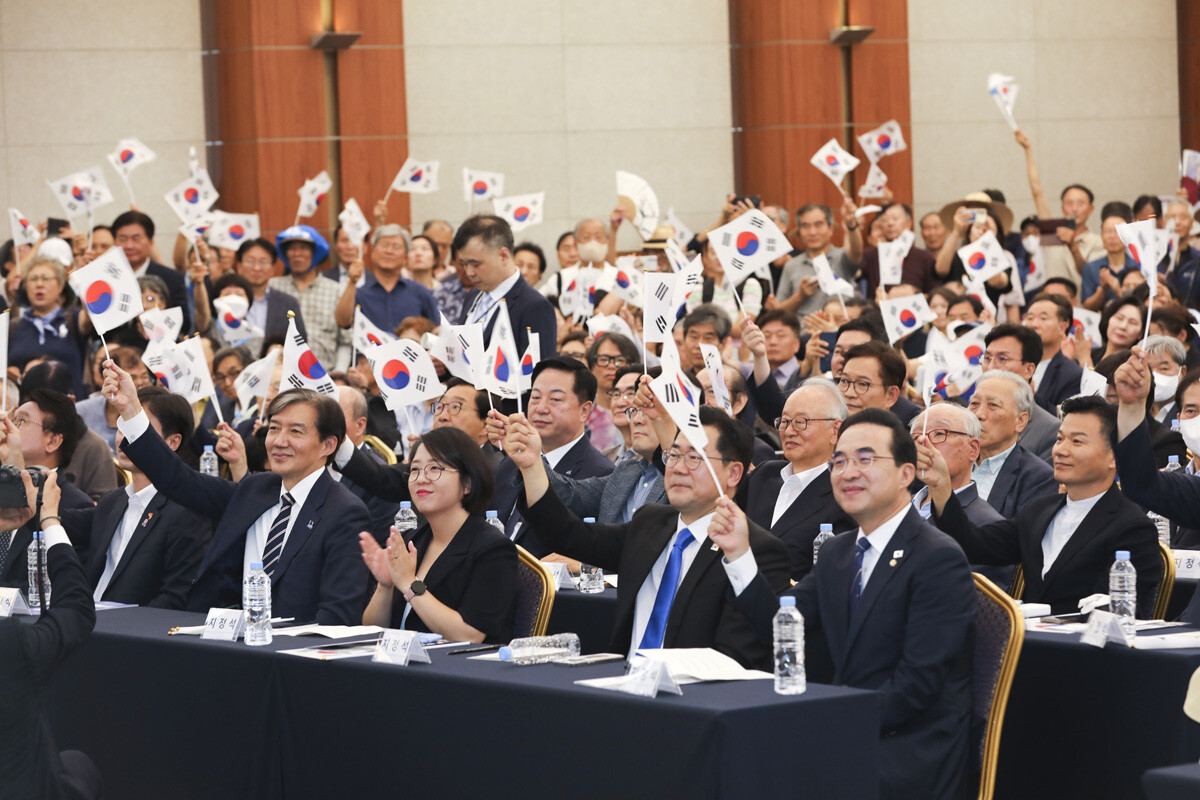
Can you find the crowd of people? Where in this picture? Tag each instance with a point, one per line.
(826, 423)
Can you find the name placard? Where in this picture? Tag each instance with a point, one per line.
(1104, 627)
(224, 624)
(1187, 563)
(560, 573)
(400, 648)
(13, 602)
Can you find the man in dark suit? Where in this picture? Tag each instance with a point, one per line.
(873, 376)
(133, 232)
(143, 548)
(383, 512)
(1065, 543)
(793, 497)
(1007, 476)
(1017, 349)
(954, 432)
(30, 764)
(1057, 378)
(672, 591)
(895, 603)
(296, 520)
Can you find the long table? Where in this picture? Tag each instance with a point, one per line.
(1081, 722)
(184, 718)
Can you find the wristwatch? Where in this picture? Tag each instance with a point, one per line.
(415, 588)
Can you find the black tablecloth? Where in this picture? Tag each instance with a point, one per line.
(1173, 783)
(1181, 595)
(589, 615)
(183, 718)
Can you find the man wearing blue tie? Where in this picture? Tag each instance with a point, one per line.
(895, 603)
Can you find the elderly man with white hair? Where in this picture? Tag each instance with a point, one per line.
(954, 432)
(1166, 357)
(386, 297)
(1007, 476)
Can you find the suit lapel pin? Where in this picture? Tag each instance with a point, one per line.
(714, 547)
(895, 555)
(311, 522)
(149, 517)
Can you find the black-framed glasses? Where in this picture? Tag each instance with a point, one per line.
(432, 472)
(940, 435)
(799, 423)
(691, 461)
(628, 394)
(453, 406)
(861, 385)
(863, 459)
(612, 361)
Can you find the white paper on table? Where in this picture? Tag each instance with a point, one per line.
(611, 580)
(1029, 610)
(361, 651)
(1171, 641)
(329, 631)
(689, 664)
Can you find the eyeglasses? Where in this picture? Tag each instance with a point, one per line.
(452, 406)
(432, 472)
(20, 422)
(863, 459)
(691, 460)
(611, 361)
(628, 394)
(1000, 360)
(861, 386)
(633, 412)
(226, 377)
(799, 423)
(940, 435)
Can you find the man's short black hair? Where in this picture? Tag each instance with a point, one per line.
(454, 448)
(807, 207)
(59, 417)
(330, 419)
(904, 449)
(1116, 208)
(892, 368)
(1031, 343)
(907, 209)
(1090, 195)
(1143, 200)
(97, 228)
(265, 244)
(735, 442)
(172, 411)
(584, 385)
(628, 349)
(1071, 286)
(782, 316)
(1062, 306)
(482, 405)
(868, 326)
(709, 314)
(633, 367)
(1172, 318)
(562, 238)
(1097, 407)
(976, 306)
(134, 218)
(1185, 383)
(53, 375)
(538, 253)
(492, 231)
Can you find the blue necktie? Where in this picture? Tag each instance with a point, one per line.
(856, 587)
(652, 639)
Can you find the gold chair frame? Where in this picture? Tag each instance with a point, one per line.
(1004, 680)
(376, 444)
(542, 621)
(1168, 582)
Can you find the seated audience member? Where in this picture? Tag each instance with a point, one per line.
(346, 253)
(98, 413)
(704, 324)
(1172, 319)
(1100, 281)
(1007, 476)
(303, 251)
(143, 548)
(1018, 349)
(1167, 359)
(739, 401)
(620, 398)
(781, 331)
(424, 259)
(1065, 543)
(1166, 442)
(296, 520)
(1056, 377)
(1121, 326)
(793, 497)
(954, 432)
(1183, 278)
(133, 232)
(32, 766)
(917, 268)
(574, 345)
(382, 512)
(666, 544)
(455, 575)
(44, 327)
(608, 353)
(268, 307)
(798, 292)
(873, 376)
(933, 232)
(894, 603)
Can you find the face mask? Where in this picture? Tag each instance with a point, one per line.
(592, 252)
(1190, 429)
(1164, 387)
(1031, 243)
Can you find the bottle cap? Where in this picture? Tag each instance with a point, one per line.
(208, 448)
(826, 527)
(406, 504)
(1172, 459)
(1122, 555)
(787, 600)
(505, 653)
(591, 520)
(492, 513)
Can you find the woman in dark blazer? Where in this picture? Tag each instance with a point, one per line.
(456, 575)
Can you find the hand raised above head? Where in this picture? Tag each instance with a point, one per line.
(1133, 381)
(118, 387)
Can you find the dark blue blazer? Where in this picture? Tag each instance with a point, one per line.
(1060, 382)
(1024, 477)
(910, 639)
(905, 409)
(527, 308)
(320, 576)
(799, 525)
(382, 512)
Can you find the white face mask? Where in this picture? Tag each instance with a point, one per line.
(592, 252)
(1165, 386)
(1190, 429)
(1032, 243)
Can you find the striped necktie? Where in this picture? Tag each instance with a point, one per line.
(856, 586)
(481, 307)
(274, 546)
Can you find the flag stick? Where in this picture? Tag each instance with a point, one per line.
(128, 188)
(645, 369)
(842, 300)
(90, 220)
(216, 405)
(387, 195)
(107, 355)
(1149, 309)
(737, 300)
(713, 472)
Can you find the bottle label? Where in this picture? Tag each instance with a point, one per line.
(224, 624)
(13, 602)
(400, 648)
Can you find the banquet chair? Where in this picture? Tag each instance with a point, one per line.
(535, 596)
(999, 634)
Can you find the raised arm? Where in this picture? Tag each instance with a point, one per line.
(1035, 180)
(343, 314)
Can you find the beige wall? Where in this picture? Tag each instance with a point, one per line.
(1098, 95)
(558, 94)
(77, 77)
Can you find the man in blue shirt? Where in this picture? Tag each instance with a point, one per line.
(387, 298)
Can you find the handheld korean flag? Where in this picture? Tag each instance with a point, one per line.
(480, 185)
(904, 315)
(198, 384)
(301, 369)
(1036, 275)
(254, 381)
(405, 374)
(529, 359)
(1142, 240)
(891, 262)
(746, 243)
(834, 162)
(109, 290)
(625, 280)
(660, 309)
(883, 141)
(81, 192)
(1003, 89)
(355, 223)
(691, 279)
(196, 228)
(984, 258)
(636, 198)
(681, 399)
(312, 193)
(610, 323)
(875, 184)
(129, 155)
(367, 335)
(164, 363)
(23, 231)
(1168, 245)
(829, 283)
(501, 360)
(193, 162)
(570, 297)
(978, 290)
(1089, 322)
(192, 198)
(231, 231)
(520, 210)
(716, 376)
(162, 324)
(681, 234)
(675, 256)
(231, 319)
(416, 177)
(460, 348)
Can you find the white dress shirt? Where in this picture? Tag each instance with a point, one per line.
(136, 507)
(1061, 528)
(495, 295)
(921, 502)
(1039, 372)
(644, 603)
(794, 485)
(556, 455)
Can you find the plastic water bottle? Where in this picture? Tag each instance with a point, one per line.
(824, 536)
(208, 462)
(1122, 591)
(406, 519)
(256, 602)
(540, 649)
(1173, 464)
(789, 648)
(493, 519)
(1162, 525)
(31, 556)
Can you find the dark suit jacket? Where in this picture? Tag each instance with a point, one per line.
(1060, 382)
(161, 558)
(800, 524)
(527, 308)
(381, 421)
(702, 614)
(278, 304)
(905, 409)
(1024, 477)
(1174, 495)
(476, 575)
(1081, 568)
(1040, 434)
(30, 767)
(320, 575)
(176, 286)
(15, 572)
(605, 496)
(1166, 443)
(382, 512)
(910, 638)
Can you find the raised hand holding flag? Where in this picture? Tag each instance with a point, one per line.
(680, 398)
(904, 315)
(109, 290)
(192, 199)
(1143, 242)
(1003, 89)
(747, 243)
(355, 223)
(984, 258)
(301, 369)
(501, 360)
